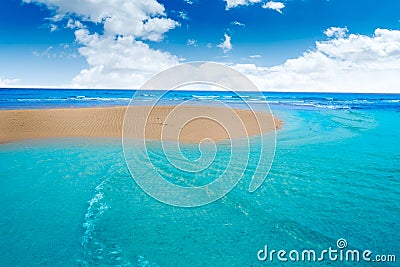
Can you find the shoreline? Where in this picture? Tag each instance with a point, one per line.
(184, 124)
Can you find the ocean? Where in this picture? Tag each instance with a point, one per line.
(335, 175)
(56, 98)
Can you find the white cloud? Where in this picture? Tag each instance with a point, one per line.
(118, 57)
(226, 44)
(353, 63)
(255, 56)
(235, 3)
(4, 82)
(356, 63)
(62, 51)
(336, 32)
(118, 63)
(191, 42)
(343, 63)
(156, 27)
(237, 23)
(143, 19)
(277, 6)
(53, 27)
(189, 2)
(46, 53)
(183, 15)
(74, 24)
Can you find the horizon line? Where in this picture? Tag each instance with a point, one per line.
(249, 91)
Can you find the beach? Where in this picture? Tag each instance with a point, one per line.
(161, 122)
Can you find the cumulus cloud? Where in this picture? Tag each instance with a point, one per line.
(121, 62)
(354, 63)
(336, 32)
(144, 19)
(235, 3)
(277, 6)
(118, 57)
(74, 24)
(226, 44)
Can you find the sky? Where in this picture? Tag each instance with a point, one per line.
(281, 45)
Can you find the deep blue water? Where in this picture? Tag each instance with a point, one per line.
(336, 174)
(56, 98)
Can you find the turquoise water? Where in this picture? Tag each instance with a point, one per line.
(336, 174)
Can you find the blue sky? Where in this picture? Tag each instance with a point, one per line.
(39, 46)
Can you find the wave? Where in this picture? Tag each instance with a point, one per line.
(97, 206)
(11, 99)
(143, 262)
(96, 251)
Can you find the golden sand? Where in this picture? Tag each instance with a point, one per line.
(186, 123)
